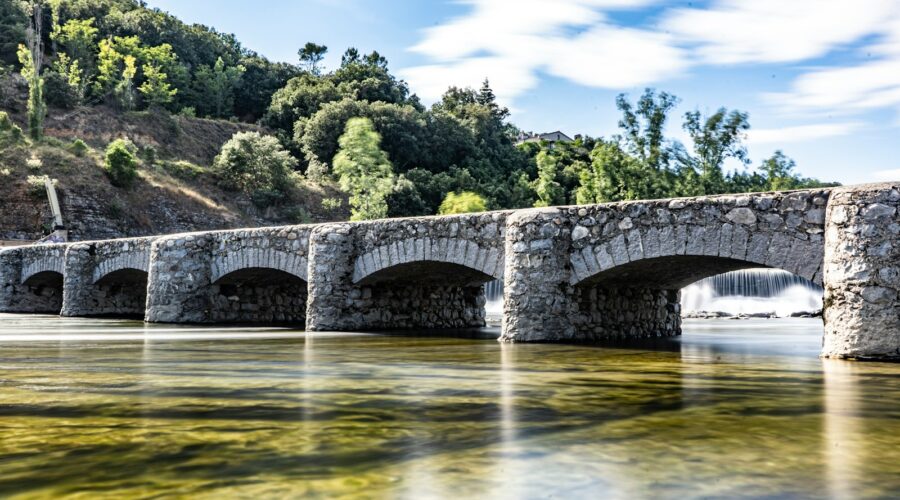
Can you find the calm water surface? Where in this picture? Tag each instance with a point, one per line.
(105, 408)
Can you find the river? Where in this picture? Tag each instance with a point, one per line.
(108, 408)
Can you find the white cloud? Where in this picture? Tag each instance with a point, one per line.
(799, 133)
(611, 57)
(510, 41)
(766, 31)
(845, 90)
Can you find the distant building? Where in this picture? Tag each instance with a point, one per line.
(550, 137)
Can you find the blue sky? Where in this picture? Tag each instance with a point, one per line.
(820, 78)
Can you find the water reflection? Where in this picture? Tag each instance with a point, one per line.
(733, 408)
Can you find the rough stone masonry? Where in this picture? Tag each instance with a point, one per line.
(571, 274)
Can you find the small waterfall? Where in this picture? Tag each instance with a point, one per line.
(493, 292)
(752, 292)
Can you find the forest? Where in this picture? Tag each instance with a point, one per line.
(358, 125)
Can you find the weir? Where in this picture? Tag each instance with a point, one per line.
(570, 274)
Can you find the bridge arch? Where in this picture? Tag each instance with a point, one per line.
(259, 294)
(616, 269)
(42, 266)
(259, 258)
(426, 257)
(426, 272)
(626, 273)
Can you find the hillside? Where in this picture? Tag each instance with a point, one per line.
(174, 193)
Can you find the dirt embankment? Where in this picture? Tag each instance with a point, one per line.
(175, 191)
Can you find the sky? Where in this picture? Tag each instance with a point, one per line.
(819, 78)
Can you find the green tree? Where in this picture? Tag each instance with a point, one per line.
(615, 175)
(644, 126)
(256, 165)
(301, 97)
(78, 38)
(402, 128)
(311, 55)
(72, 80)
(156, 89)
(260, 80)
(364, 170)
(462, 203)
(716, 139)
(779, 172)
(405, 200)
(31, 58)
(217, 85)
(13, 22)
(121, 165)
(124, 87)
(549, 191)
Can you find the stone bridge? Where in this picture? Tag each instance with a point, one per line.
(571, 274)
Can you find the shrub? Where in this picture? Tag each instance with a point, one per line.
(8, 129)
(298, 215)
(148, 153)
(188, 112)
(183, 169)
(256, 165)
(121, 166)
(58, 92)
(35, 185)
(462, 203)
(34, 163)
(332, 203)
(78, 147)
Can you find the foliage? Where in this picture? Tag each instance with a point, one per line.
(716, 139)
(183, 169)
(404, 200)
(332, 203)
(36, 186)
(30, 61)
(65, 86)
(462, 203)
(34, 162)
(549, 192)
(9, 131)
(217, 84)
(78, 147)
(311, 55)
(156, 90)
(363, 170)
(13, 21)
(254, 164)
(642, 164)
(259, 82)
(643, 125)
(121, 166)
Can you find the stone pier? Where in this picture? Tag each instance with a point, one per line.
(862, 273)
(571, 274)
